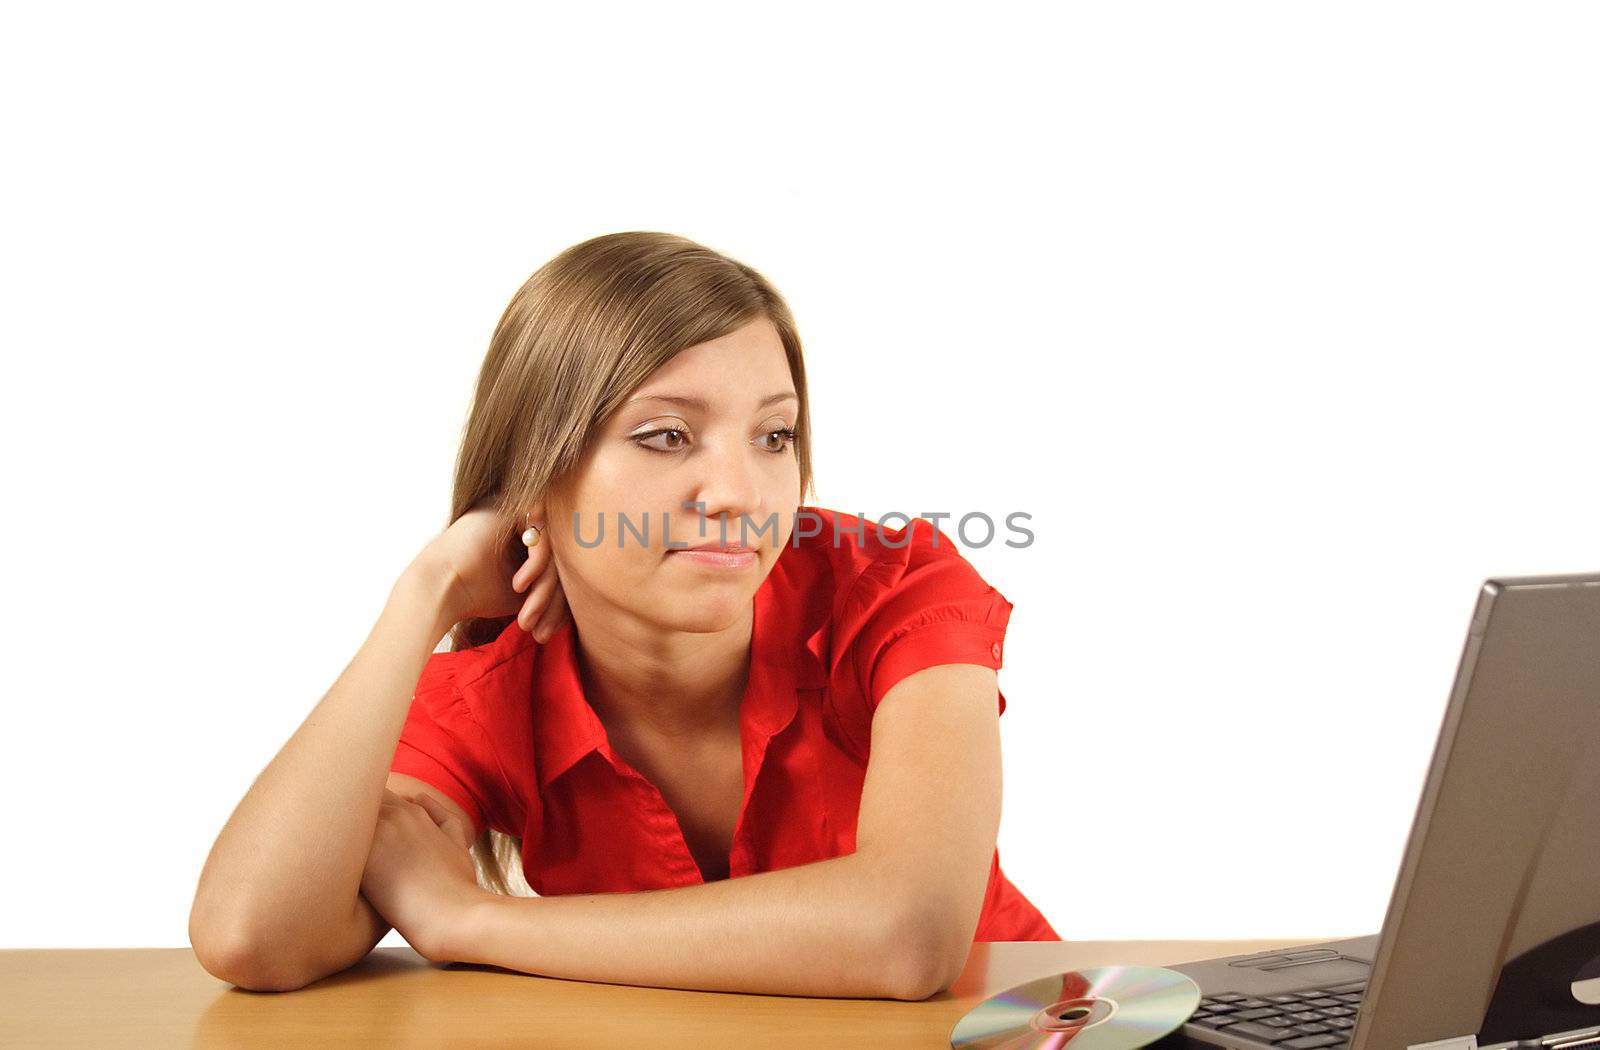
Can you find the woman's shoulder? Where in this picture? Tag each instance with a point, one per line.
(874, 581)
(902, 598)
(456, 676)
(857, 553)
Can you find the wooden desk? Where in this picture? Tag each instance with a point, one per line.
(160, 997)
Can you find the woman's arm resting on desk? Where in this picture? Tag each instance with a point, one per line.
(895, 919)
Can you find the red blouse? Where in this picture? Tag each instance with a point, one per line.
(505, 731)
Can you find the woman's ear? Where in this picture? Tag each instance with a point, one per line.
(535, 513)
(549, 509)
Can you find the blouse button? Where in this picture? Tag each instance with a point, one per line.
(995, 650)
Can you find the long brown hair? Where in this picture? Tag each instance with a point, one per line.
(580, 335)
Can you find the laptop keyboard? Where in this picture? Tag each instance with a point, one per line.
(1323, 1017)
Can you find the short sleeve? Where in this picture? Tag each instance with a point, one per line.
(444, 744)
(920, 605)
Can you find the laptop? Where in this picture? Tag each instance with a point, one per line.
(1492, 935)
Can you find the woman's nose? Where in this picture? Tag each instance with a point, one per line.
(730, 487)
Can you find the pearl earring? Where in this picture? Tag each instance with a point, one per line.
(530, 537)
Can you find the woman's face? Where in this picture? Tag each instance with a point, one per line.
(668, 464)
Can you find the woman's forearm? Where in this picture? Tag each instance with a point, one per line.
(286, 868)
(829, 928)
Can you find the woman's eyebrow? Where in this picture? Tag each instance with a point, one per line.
(699, 403)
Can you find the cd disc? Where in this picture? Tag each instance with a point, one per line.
(1107, 1008)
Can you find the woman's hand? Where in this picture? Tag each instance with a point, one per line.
(489, 569)
(420, 876)
(545, 608)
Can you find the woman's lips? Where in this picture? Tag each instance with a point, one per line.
(716, 559)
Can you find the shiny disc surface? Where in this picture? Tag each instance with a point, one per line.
(1105, 1008)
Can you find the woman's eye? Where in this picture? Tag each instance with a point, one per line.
(785, 436)
(664, 433)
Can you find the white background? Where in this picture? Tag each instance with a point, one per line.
(1279, 319)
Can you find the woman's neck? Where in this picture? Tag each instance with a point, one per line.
(672, 684)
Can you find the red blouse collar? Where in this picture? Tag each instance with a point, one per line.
(787, 654)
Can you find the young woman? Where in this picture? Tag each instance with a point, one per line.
(733, 741)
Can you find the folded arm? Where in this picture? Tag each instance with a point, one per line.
(822, 929)
(894, 919)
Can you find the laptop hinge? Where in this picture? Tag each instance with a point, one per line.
(1460, 1042)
